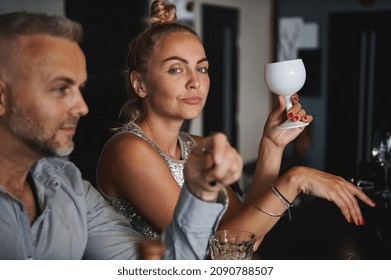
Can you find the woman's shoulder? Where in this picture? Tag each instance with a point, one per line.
(127, 143)
(124, 155)
(126, 135)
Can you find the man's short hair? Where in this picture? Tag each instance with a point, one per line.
(15, 24)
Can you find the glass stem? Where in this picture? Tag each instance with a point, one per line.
(288, 102)
(386, 178)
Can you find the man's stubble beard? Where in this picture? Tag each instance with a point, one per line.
(33, 134)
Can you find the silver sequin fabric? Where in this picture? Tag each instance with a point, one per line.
(124, 208)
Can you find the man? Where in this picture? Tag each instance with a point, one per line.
(47, 210)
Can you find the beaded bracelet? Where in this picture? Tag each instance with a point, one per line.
(284, 201)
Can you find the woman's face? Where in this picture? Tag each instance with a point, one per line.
(177, 81)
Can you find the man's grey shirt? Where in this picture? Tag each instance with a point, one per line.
(77, 223)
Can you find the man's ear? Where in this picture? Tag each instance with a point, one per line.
(137, 83)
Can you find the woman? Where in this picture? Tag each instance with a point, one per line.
(141, 167)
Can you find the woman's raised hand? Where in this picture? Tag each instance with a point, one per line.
(280, 138)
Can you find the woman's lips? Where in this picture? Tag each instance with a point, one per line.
(192, 100)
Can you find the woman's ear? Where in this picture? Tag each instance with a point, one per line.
(137, 83)
(2, 97)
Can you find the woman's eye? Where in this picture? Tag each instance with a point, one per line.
(175, 70)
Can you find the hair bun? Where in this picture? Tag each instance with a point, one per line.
(162, 13)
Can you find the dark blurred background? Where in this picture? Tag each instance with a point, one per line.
(346, 91)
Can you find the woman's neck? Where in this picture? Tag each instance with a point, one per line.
(164, 135)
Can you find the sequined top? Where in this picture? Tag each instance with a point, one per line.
(125, 208)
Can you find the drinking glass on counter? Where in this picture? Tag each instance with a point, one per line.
(232, 245)
(381, 153)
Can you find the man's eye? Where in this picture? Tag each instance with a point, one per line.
(61, 89)
(83, 89)
(203, 70)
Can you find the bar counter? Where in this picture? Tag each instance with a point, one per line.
(318, 231)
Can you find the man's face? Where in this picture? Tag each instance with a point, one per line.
(44, 102)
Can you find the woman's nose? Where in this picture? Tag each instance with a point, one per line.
(193, 82)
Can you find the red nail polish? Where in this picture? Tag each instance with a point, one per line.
(295, 99)
(362, 222)
(290, 115)
(350, 220)
(305, 118)
(296, 118)
(373, 203)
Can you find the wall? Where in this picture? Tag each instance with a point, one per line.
(319, 11)
(254, 51)
(47, 6)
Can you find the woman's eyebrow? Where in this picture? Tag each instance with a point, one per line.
(176, 58)
(183, 60)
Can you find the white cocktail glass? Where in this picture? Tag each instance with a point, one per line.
(286, 78)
